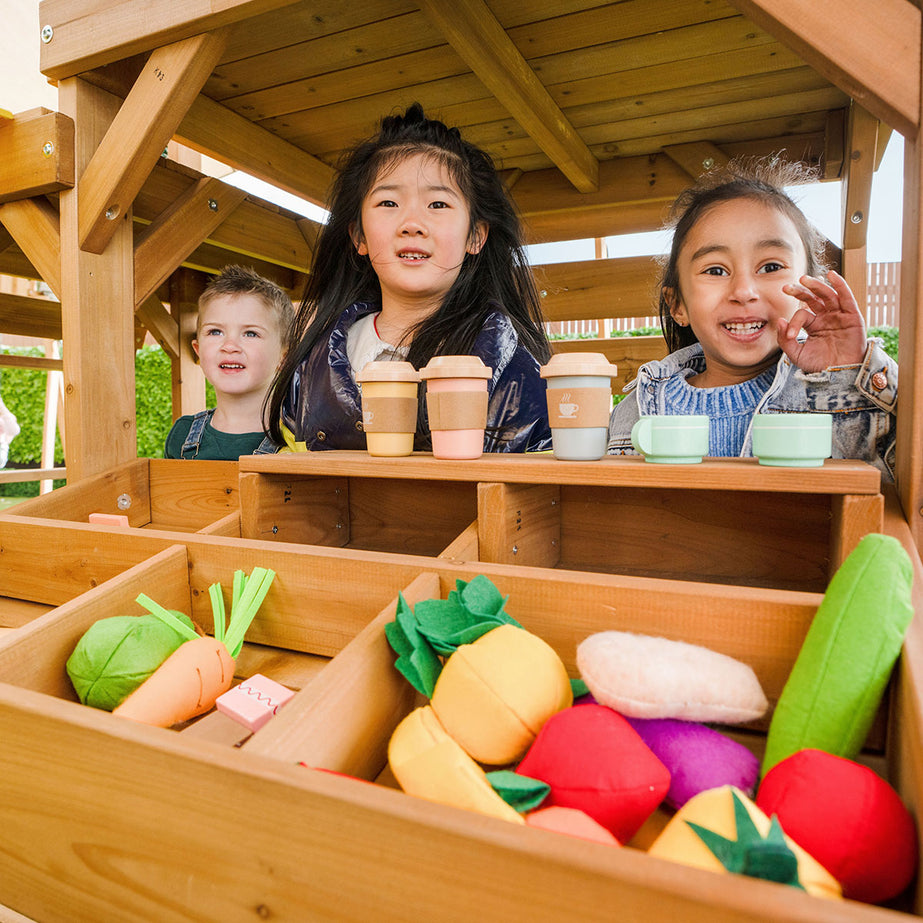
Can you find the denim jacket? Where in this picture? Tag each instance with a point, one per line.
(862, 399)
(323, 409)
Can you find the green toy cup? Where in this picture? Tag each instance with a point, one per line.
(793, 440)
(671, 440)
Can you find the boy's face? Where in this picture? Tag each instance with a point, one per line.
(238, 344)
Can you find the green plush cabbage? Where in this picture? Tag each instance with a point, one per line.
(117, 654)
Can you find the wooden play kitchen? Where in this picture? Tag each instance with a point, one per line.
(598, 114)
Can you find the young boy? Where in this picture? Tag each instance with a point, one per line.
(242, 327)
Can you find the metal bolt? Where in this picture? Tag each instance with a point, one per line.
(339, 525)
(123, 502)
(48, 148)
(213, 205)
(515, 549)
(47, 34)
(708, 163)
(543, 293)
(856, 217)
(112, 212)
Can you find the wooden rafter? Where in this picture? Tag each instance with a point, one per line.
(36, 228)
(162, 94)
(163, 245)
(159, 322)
(861, 55)
(473, 31)
(214, 129)
(861, 157)
(21, 315)
(697, 157)
(81, 38)
(36, 154)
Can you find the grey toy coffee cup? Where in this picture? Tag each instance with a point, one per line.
(579, 399)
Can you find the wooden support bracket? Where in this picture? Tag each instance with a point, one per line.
(36, 227)
(474, 32)
(519, 524)
(160, 323)
(176, 233)
(36, 154)
(146, 121)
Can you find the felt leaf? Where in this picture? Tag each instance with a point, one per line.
(751, 854)
(416, 658)
(481, 597)
(520, 792)
(579, 688)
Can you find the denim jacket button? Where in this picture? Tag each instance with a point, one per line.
(879, 381)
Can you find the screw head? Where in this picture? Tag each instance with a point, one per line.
(708, 163)
(856, 217)
(123, 502)
(213, 205)
(47, 34)
(112, 212)
(48, 148)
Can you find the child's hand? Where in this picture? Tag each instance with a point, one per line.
(832, 321)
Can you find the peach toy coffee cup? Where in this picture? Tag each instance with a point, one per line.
(793, 440)
(670, 439)
(389, 406)
(456, 403)
(579, 399)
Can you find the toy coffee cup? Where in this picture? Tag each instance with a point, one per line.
(579, 396)
(456, 403)
(796, 440)
(389, 406)
(671, 440)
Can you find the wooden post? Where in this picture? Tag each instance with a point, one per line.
(97, 310)
(188, 381)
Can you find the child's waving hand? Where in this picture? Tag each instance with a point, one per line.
(830, 316)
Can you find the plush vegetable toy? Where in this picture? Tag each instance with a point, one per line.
(499, 683)
(189, 681)
(117, 654)
(831, 696)
(723, 830)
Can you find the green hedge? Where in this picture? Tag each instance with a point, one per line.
(23, 392)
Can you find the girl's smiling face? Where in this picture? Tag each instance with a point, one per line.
(416, 230)
(731, 269)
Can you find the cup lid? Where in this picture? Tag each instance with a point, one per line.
(387, 371)
(566, 364)
(455, 367)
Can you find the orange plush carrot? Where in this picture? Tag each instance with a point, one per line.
(189, 681)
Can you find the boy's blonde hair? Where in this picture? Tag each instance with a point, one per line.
(242, 280)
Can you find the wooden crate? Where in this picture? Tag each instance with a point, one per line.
(154, 493)
(723, 521)
(105, 819)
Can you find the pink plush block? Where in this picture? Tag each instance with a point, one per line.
(109, 519)
(254, 701)
(595, 761)
(848, 818)
(698, 757)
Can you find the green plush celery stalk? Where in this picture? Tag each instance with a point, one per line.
(166, 616)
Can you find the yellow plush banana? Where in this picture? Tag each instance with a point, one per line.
(428, 763)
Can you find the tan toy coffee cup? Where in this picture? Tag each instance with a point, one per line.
(456, 402)
(579, 396)
(389, 406)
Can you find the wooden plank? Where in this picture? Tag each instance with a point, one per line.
(35, 226)
(186, 376)
(97, 306)
(836, 476)
(589, 289)
(697, 157)
(36, 154)
(862, 143)
(21, 315)
(20, 475)
(192, 495)
(89, 35)
(177, 231)
(874, 59)
(852, 518)
(158, 101)
(159, 323)
(344, 718)
(213, 129)
(473, 31)
(464, 548)
(519, 524)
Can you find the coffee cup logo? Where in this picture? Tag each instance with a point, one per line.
(367, 417)
(567, 410)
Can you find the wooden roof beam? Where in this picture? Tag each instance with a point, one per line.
(873, 58)
(36, 154)
(473, 31)
(163, 245)
(697, 157)
(77, 39)
(21, 315)
(151, 112)
(36, 228)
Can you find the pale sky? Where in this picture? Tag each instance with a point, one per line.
(22, 87)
